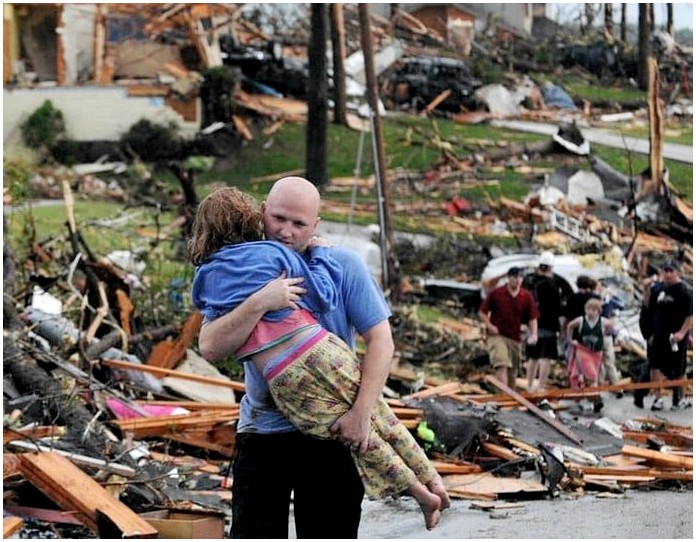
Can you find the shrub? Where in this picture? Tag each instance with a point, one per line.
(43, 127)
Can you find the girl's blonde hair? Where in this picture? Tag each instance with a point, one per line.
(593, 302)
(225, 217)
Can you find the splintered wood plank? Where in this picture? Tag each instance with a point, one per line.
(634, 471)
(671, 439)
(619, 479)
(161, 425)
(10, 466)
(72, 489)
(444, 389)
(659, 458)
(192, 405)
(11, 525)
(158, 371)
(486, 486)
(499, 451)
(38, 432)
(446, 467)
(166, 354)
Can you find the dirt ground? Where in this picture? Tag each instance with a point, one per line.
(661, 514)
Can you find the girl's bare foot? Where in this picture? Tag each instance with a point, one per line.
(439, 489)
(429, 502)
(432, 517)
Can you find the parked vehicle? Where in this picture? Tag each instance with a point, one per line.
(419, 80)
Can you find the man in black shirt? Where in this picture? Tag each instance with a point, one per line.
(672, 308)
(548, 298)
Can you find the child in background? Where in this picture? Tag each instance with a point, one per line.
(312, 375)
(586, 334)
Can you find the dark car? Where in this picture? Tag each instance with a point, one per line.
(419, 80)
(265, 68)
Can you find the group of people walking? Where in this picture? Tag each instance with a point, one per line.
(530, 323)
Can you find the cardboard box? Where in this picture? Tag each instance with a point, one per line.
(171, 524)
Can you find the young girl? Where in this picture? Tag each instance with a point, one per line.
(586, 335)
(313, 376)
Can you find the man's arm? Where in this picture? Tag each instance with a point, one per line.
(533, 331)
(684, 329)
(223, 336)
(354, 426)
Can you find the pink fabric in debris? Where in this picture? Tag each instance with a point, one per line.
(124, 412)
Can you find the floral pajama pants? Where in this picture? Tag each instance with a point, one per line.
(319, 384)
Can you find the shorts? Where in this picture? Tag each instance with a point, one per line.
(545, 348)
(504, 352)
(660, 356)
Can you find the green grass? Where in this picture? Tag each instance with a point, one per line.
(46, 226)
(409, 144)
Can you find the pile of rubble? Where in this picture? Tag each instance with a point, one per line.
(123, 431)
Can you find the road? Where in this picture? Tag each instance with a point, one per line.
(635, 514)
(672, 151)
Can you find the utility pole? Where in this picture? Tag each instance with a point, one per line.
(338, 41)
(390, 279)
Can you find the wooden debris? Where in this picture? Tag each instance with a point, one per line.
(11, 525)
(166, 354)
(536, 410)
(72, 489)
(487, 487)
(158, 371)
(659, 458)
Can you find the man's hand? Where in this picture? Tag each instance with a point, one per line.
(492, 330)
(353, 430)
(223, 336)
(280, 293)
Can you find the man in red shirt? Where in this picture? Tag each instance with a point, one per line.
(503, 311)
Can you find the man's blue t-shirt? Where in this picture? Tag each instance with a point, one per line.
(361, 305)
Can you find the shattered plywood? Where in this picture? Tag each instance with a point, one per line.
(486, 486)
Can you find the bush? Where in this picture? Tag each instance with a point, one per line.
(16, 174)
(43, 127)
(152, 142)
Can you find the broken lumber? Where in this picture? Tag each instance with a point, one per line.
(645, 472)
(118, 468)
(10, 525)
(72, 489)
(157, 371)
(659, 458)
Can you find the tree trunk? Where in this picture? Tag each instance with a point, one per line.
(670, 19)
(338, 40)
(609, 19)
(643, 45)
(317, 98)
(623, 22)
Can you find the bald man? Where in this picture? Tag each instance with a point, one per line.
(272, 459)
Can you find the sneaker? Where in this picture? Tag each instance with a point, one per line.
(658, 404)
(683, 404)
(638, 401)
(618, 394)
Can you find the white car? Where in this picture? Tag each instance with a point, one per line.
(566, 267)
